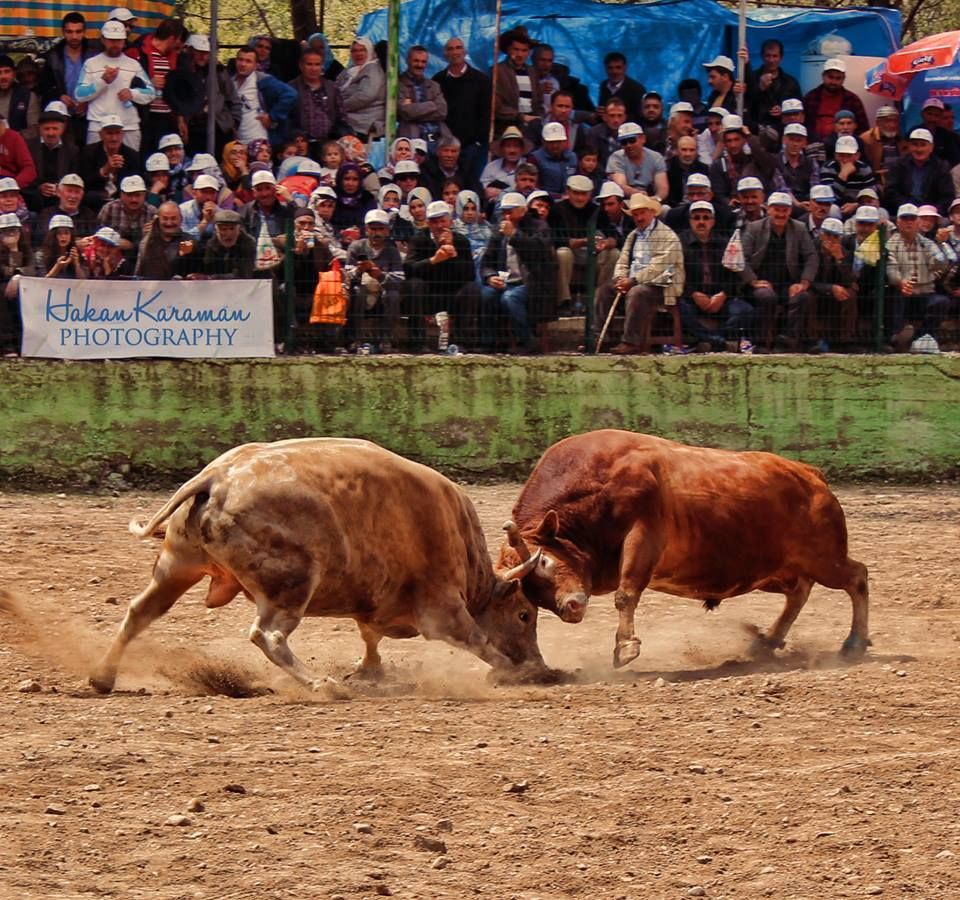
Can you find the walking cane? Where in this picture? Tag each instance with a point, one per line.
(610, 315)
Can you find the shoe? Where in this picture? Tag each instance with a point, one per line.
(675, 349)
(625, 349)
(820, 346)
(901, 340)
(926, 343)
(703, 347)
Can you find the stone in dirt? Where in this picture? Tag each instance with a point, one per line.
(30, 686)
(441, 862)
(516, 787)
(178, 821)
(52, 810)
(445, 825)
(429, 844)
(363, 828)
(195, 805)
(697, 891)
(234, 788)
(697, 769)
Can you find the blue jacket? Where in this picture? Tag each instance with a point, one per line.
(554, 172)
(279, 100)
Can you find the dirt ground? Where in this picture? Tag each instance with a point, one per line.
(692, 772)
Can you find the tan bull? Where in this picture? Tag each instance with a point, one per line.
(335, 527)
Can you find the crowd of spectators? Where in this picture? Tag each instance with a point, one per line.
(754, 232)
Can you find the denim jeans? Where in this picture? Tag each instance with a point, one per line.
(513, 301)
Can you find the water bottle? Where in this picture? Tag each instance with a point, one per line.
(310, 240)
(364, 350)
(452, 350)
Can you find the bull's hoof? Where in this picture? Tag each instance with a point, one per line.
(103, 682)
(625, 652)
(369, 674)
(532, 674)
(762, 647)
(854, 647)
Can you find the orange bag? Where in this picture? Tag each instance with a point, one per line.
(330, 298)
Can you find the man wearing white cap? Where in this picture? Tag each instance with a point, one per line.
(69, 203)
(441, 280)
(946, 142)
(736, 163)
(554, 160)
(884, 143)
(710, 309)
(920, 177)
(827, 99)
(197, 214)
(797, 169)
(113, 85)
(375, 270)
(914, 263)
(724, 86)
(698, 188)
(833, 303)
(710, 139)
(61, 71)
(267, 211)
(129, 215)
(189, 98)
(561, 111)
(613, 221)
(780, 262)
(517, 271)
(847, 174)
(749, 200)
(106, 162)
(635, 168)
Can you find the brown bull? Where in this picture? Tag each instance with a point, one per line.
(329, 527)
(618, 511)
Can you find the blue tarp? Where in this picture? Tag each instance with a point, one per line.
(664, 41)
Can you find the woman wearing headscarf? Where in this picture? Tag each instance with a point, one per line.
(401, 148)
(363, 87)
(390, 200)
(468, 222)
(234, 164)
(353, 202)
(331, 65)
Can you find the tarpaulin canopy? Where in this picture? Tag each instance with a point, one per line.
(664, 41)
(42, 17)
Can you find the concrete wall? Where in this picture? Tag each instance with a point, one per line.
(853, 416)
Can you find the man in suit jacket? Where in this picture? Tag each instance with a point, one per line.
(619, 84)
(780, 263)
(935, 184)
(519, 97)
(53, 157)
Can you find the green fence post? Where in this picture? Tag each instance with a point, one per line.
(290, 291)
(881, 290)
(591, 283)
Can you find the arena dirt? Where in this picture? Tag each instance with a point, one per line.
(690, 773)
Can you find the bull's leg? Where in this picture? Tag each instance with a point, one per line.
(857, 587)
(370, 667)
(270, 630)
(171, 579)
(456, 626)
(774, 637)
(626, 648)
(636, 567)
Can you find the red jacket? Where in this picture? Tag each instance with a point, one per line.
(15, 159)
(142, 52)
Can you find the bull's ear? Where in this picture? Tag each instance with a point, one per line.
(547, 530)
(505, 589)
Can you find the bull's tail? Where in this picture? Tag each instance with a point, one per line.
(199, 484)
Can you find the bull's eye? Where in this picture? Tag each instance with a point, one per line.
(524, 616)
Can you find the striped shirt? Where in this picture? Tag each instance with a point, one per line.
(525, 89)
(159, 66)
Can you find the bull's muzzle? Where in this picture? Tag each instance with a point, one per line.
(573, 607)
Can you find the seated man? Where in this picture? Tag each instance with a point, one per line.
(613, 222)
(822, 205)
(884, 143)
(683, 163)
(833, 308)
(913, 265)
(231, 252)
(197, 214)
(130, 216)
(376, 277)
(69, 203)
(710, 310)
(554, 160)
(780, 262)
(798, 171)
(749, 201)
(649, 272)
(866, 271)
(569, 225)
(516, 272)
(15, 159)
(441, 279)
(52, 158)
(105, 163)
(167, 251)
(847, 174)
(635, 168)
(498, 174)
(920, 177)
(698, 189)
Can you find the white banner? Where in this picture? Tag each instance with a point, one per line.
(69, 319)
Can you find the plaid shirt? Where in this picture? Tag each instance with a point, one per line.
(920, 262)
(113, 215)
(664, 254)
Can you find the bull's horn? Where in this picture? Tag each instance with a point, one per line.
(516, 541)
(524, 569)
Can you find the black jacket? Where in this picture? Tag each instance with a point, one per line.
(721, 279)
(51, 166)
(630, 92)
(468, 104)
(52, 83)
(92, 159)
(566, 222)
(936, 187)
(445, 278)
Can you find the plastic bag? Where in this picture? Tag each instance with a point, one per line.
(733, 258)
(329, 298)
